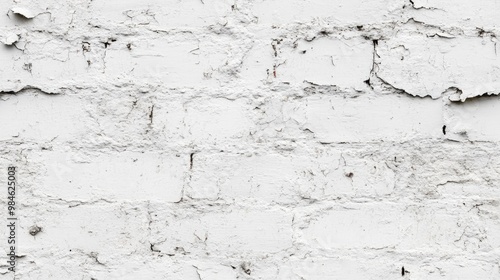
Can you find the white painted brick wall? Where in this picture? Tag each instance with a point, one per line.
(238, 139)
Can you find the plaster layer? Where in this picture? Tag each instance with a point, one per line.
(237, 139)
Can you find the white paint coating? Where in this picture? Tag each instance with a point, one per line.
(238, 139)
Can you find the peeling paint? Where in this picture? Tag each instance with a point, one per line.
(266, 139)
(24, 12)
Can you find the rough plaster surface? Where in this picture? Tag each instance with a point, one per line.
(238, 139)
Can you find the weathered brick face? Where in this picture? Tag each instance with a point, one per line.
(238, 139)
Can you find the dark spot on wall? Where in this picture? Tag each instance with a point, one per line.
(274, 44)
(245, 266)
(108, 43)
(151, 114)
(444, 129)
(404, 271)
(34, 230)
(85, 47)
(191, 157)
(180, 250)
(27, 67)
(152, 248)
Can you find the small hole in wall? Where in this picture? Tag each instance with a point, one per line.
(34, 230)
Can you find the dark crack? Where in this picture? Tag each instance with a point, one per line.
(26, 88)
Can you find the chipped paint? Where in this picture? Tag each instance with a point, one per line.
(266, 139)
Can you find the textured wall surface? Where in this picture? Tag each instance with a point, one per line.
(251, 139)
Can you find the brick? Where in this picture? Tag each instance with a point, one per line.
(440, 227)
(459, 14)
(30, 66)
(34, 116)
(323, 174)
(141, 176)
(474, 120)
(275, 12)
(343, 63)
(239, 231)
(175, 61)
(266, 139)
(160, 14)
(388, 118)
(429, 66)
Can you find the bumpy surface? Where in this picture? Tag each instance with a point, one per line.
(266, 139)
